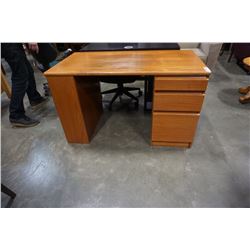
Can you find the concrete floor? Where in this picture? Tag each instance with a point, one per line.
(120, 168)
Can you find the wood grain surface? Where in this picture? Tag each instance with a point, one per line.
(160, 62)
(174, 127)
(180, 82)
(79, 106)
(178, 101)
(198, 84)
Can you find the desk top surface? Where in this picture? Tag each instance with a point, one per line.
(148, 62)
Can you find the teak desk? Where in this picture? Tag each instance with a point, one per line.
(180, 82)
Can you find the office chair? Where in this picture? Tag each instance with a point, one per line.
(121, 89)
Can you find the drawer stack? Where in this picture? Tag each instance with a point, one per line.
(177, 103)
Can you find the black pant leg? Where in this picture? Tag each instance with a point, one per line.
(22, 78)
(15, 56)
(32, 92)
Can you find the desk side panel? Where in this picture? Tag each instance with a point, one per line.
(90, 99)
(71, 103)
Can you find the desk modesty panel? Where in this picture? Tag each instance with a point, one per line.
(180, 81)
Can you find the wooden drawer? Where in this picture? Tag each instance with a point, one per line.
(174, 127)
(172, 101)
(180, 84)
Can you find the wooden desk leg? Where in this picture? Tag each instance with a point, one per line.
(79, 105)
(5, 85)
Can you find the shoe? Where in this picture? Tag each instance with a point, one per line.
(39, 102)
(46, 89)
(245, 99)
(244, 91)
(24, 121)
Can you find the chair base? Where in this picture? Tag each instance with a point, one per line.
(121, 90)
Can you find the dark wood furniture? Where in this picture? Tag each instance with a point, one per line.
(129, 46)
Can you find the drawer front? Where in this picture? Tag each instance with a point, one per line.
(167, 101)
(174, 127)
(180, 84)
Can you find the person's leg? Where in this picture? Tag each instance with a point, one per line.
(34, 97)
(15, 56)
(32, 92)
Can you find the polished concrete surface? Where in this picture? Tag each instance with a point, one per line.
(120, 168)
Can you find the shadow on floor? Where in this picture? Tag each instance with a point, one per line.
(8, 202)
(232, 67)
(231, 98)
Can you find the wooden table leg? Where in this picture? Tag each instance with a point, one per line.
(79, 105)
